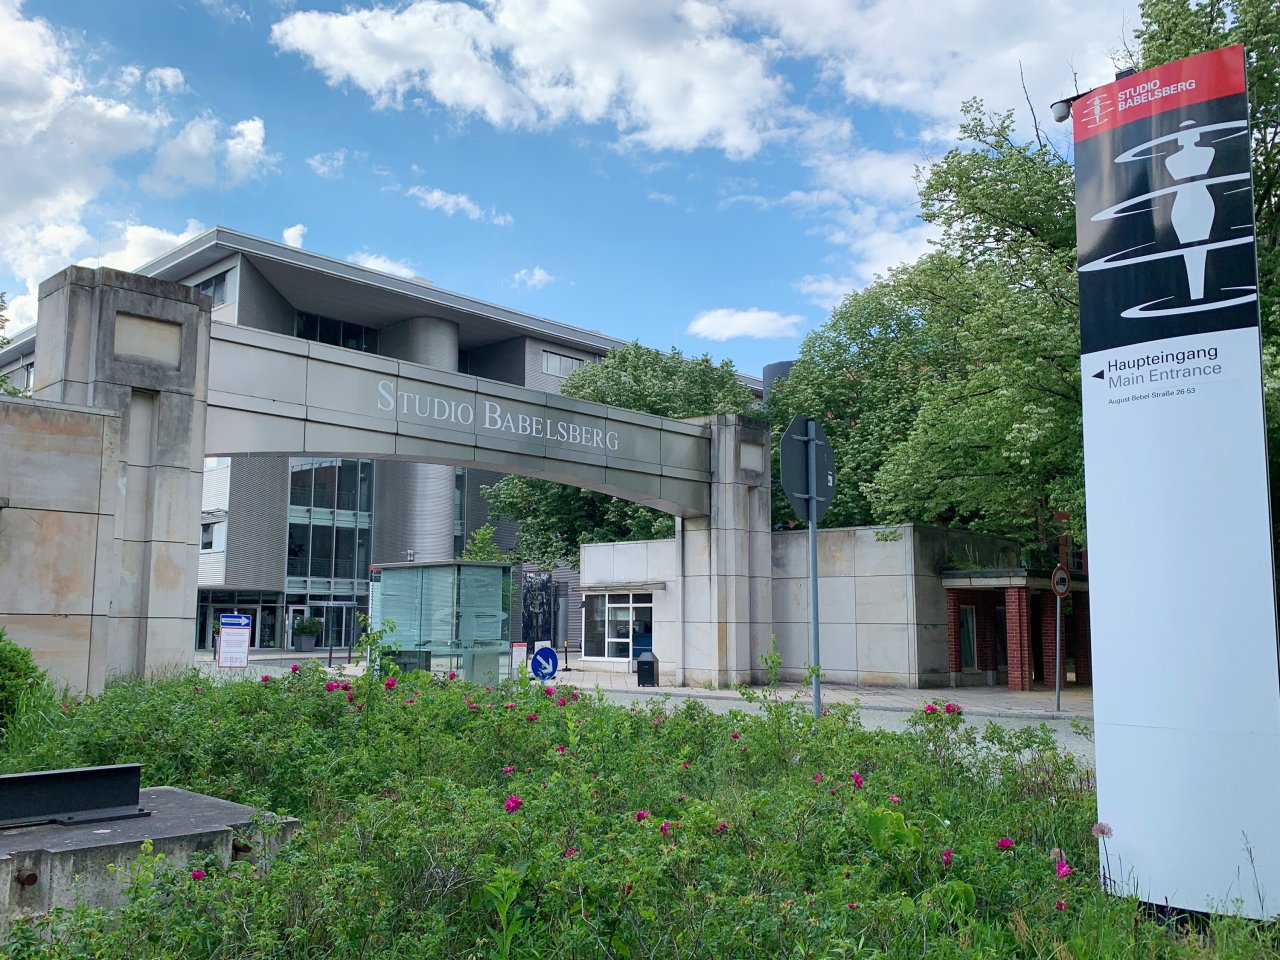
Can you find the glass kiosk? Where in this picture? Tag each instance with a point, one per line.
(449, 615)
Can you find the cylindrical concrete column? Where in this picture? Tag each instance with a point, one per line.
(414, 502)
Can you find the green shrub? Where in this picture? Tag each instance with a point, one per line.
(18, 674)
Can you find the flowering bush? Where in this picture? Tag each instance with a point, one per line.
(442, 825)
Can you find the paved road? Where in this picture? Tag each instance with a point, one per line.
(896, 720)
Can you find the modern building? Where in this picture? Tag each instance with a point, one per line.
(287, 539)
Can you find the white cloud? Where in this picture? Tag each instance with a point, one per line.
(330, 164)
(165, 80)
(534, 279)
(376, 261)
(188, 160)
(824, 290)
(294, 235)
(726, 324)
(433, 198)
(247, 157)
(657, 197)
(191, 159)
(225, 10)
(135, 244)
(59, 141)
(666, 74)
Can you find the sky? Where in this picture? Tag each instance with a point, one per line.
(713, 175)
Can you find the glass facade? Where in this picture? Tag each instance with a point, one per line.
(339, 333)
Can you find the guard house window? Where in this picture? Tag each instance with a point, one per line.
(617, 626)
(206, 536)
(558, 365)
(215, 288)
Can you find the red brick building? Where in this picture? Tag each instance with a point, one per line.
(1000, 628)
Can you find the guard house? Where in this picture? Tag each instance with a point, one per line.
(449, 616)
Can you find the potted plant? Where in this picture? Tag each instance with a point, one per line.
(305, 633)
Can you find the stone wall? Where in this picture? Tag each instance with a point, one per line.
(59, 489)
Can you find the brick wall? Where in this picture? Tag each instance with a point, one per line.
(1017, 612)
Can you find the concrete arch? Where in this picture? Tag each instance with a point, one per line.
(272, 394)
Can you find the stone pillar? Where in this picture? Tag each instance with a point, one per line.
(953, 636)
(414, 502)
(727, 588)
(137, 347)
(1017, 613)
(1048, 639)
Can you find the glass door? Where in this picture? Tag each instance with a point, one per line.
(968, 638)
(618, 627)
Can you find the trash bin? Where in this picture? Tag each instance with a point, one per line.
(647, 670)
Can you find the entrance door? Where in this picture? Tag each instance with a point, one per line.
(296, 614)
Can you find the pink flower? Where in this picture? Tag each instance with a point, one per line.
(561, 702)
(832, 791)
(1102, 830)
(852, 906)
(856, 777)
(331, 686)
(531, 717)
(197, 874)
(1064, 870)
(733, 736)
(1060, 905)
(720, 827)
(350, 696)
(573, 695)
(685, 765)
(295, 668)
(665, 828)
(560, 748)
(345, 685)
(641, 815)
(1004, 843)
(508, 769)
(266, 678)
(952, 708)
(817, 778)
(508, 706)
(930, 708)
(894, 798)
(570, 852)
(473, 706)
(513, 803)
(453, 675)
(549, 691)
(389, 683)
(946, 857)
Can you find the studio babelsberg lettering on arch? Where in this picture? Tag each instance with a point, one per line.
(492, 416)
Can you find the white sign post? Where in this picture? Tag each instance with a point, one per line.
(234, 630)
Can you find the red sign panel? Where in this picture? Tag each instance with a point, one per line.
(1208, 76)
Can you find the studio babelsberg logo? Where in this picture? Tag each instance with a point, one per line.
(1164, 204)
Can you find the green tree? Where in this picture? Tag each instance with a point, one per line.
(555, 519)
(5, 386)
(481, 546)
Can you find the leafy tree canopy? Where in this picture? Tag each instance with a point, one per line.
(555, 519)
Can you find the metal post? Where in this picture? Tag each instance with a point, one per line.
(1057, 658)
(815, 662)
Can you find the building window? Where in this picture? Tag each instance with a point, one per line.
(206, 536)
(617, 626)
(339, 333)
(215, 288)
(29, 376)
(558, 365)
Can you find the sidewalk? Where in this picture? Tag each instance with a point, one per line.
(1038, 704)
(1077, 702)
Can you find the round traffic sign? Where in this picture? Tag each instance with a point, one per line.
(544, 663)
(1060, 581)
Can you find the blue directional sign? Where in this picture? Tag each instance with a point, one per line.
(544, 663)
(234, 620)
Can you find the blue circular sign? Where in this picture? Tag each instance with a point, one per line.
(544, 663)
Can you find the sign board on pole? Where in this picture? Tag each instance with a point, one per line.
(544, 663)
(519, 653)
(234, 630)
(1175, 466)
(1060, 581)
(794, 467)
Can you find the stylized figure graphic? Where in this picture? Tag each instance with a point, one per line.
(1191, 214)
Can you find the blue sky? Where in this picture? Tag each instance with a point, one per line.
(707, 175)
